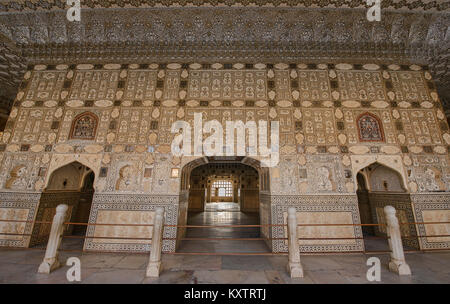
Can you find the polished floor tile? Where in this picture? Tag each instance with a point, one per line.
(229, 236)
(20, 265)
(130, 268)
(218, 214)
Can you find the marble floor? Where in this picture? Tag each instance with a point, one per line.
(20, 266)
(222, 206)
(210, 218)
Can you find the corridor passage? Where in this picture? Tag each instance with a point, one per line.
(223, 214)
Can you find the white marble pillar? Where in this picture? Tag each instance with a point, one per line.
(294, 266)
(397, 263)
(154, 263)
(51, 261)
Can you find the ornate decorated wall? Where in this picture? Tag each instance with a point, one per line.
(335, 119)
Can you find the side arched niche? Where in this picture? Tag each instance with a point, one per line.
(91, 161)
(393, 162)
(71, 184)
(379, 185)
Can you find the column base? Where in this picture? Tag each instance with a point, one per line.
(48, 265)
(153, 269)
(295, 270)
(401, 268)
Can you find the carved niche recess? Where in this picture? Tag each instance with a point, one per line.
(369, 128)
(84, 126)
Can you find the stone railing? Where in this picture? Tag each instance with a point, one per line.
(51, 261)
(397, 261)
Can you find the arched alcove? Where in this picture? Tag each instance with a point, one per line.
(379, 186)
(392, 162)
(379, 177)
(58, 161)
(68, 177)
(71, 184)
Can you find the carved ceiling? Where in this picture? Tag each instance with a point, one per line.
(11, 72)
(409, 31)
(23, 5)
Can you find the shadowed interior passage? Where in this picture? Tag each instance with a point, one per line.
(222, 214)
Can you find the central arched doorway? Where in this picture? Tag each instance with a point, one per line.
(222, 191)
(72, 184)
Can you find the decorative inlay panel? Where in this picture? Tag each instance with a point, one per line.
(357, 85)
(46, 85)
(127, 205)
(17, 206)
(94, 84)
(141, 85)
(420, 127)
(314, 85)
(409, 86)
(316, 204)
(228, 84)
(432, 207)
(319, 127)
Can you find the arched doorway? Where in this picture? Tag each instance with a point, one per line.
(379, 186)
(222, 191)
(72, 184)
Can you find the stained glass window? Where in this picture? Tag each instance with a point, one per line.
(84, 126)
(369, 127)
